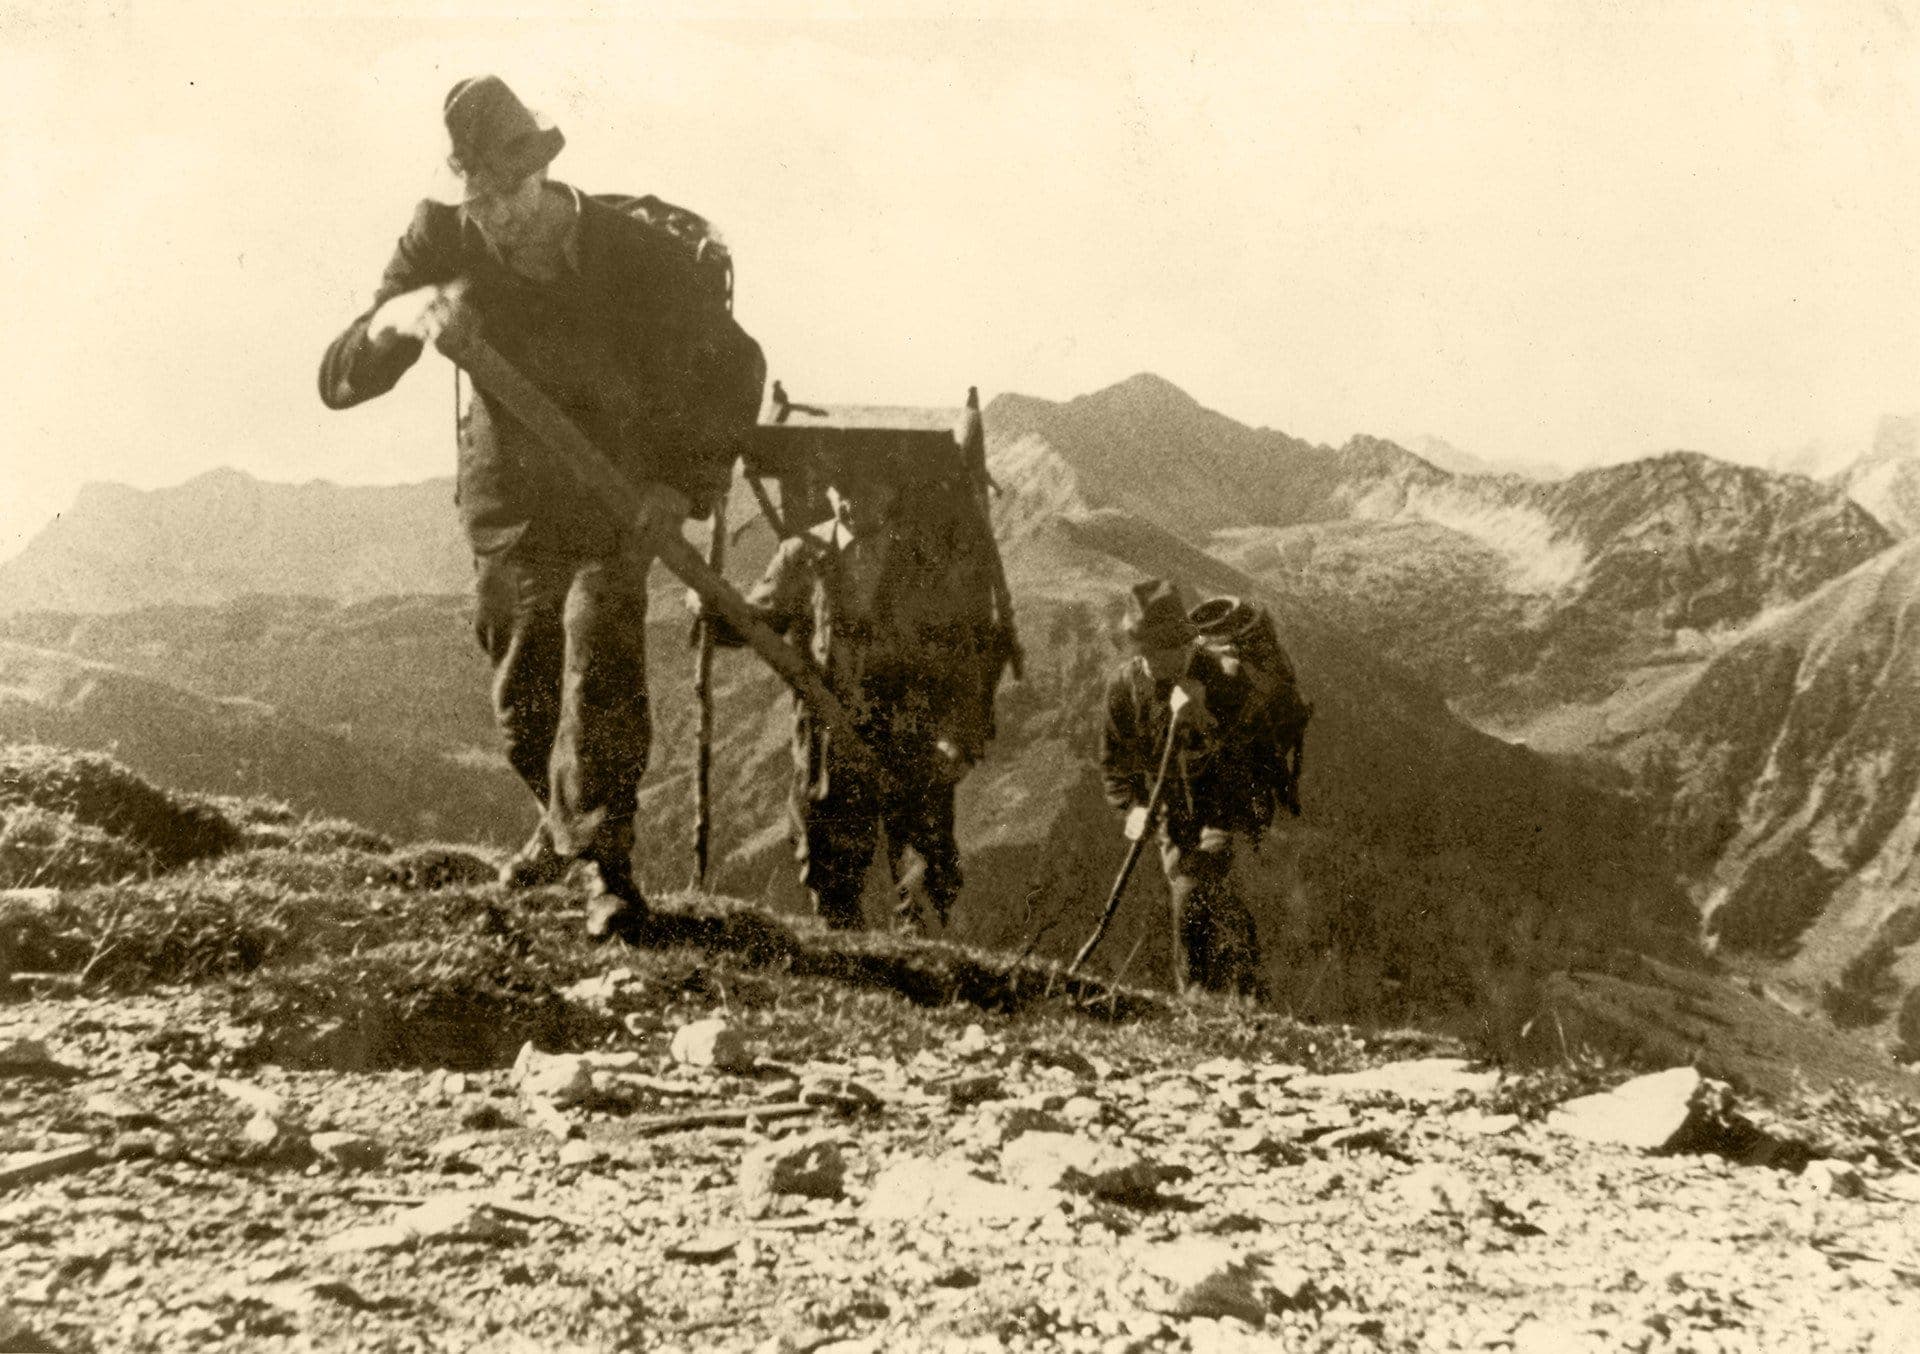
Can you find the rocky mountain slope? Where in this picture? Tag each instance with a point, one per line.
(1886, 479)
(1514, 596)
(224, 534)
(1421, 839)
(240, 743)
(277, 1096)
(1791, 768)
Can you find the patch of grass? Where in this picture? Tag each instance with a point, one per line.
(42, 849)
(95, 791)
(423, 868)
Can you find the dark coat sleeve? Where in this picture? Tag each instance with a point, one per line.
(1123, 752)
(356, 368)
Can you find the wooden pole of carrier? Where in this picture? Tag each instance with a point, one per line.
(703, 698)
(496, 376)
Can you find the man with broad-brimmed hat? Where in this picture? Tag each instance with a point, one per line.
(611, 319)
(1171, 688)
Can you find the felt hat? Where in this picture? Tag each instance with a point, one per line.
(1161, 620)
(496, 139)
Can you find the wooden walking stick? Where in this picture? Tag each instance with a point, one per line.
(496, 376)
(703, 697)
(1154, 801)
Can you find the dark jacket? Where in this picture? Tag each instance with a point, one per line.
(1207, 781)
(628, 342)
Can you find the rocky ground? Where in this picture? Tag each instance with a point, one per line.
(271, 1082)
(962, 1181)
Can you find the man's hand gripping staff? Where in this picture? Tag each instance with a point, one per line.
(1140, 818)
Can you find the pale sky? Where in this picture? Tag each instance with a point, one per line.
(1570, 232)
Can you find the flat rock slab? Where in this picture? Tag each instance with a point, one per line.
(24, 1168)
(914, 1188)
(1648, 1114)
(1418, 1080)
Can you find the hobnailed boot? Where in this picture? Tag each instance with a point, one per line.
(536, 864)
(619, 911)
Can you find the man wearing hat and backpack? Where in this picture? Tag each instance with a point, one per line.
(612, 319)
(880, 594)
(1173, 689)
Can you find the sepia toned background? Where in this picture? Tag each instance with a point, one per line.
(1545, 233)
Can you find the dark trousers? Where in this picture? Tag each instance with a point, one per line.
(567, 639)
(1216, 947)
(837, 820)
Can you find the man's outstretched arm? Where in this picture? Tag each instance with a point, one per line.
(410, 305)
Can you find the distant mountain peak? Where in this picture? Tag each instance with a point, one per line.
(226, 533)
(1148, 385)
(1143, 395)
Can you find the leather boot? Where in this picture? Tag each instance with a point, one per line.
(619, 911)
(535, 865)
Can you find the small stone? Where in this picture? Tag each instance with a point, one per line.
(454, 1145)
(972, 1043)
(1082, 1111)
(1360, 1138)
(578, 1153)
(136, 1146)
(119, 1109)
(1176, 1093)
(485, 1118)
(31, 1058)
(622, 1060)
(704, 1248)
(1487, 1125)
(261, 1130)
(256, 1098)
(546, 1116)
(455, 1084)
(970, 1091)
(811, 1167)
(914, 1188)
(460, 1217)
(349, 1151)
(1203, 1278)
(712, 1043)
(1066, 1162)
(1837, 1179)
(384, 1236)
(562, 1078)
(1232, 1071)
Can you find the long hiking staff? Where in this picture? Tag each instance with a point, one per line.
(703, 698)
(1154, 802)
(597, 475)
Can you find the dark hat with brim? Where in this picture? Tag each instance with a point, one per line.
(497, 141)
(1160, 619)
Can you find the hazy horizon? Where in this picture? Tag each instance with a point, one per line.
(1538, 233)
